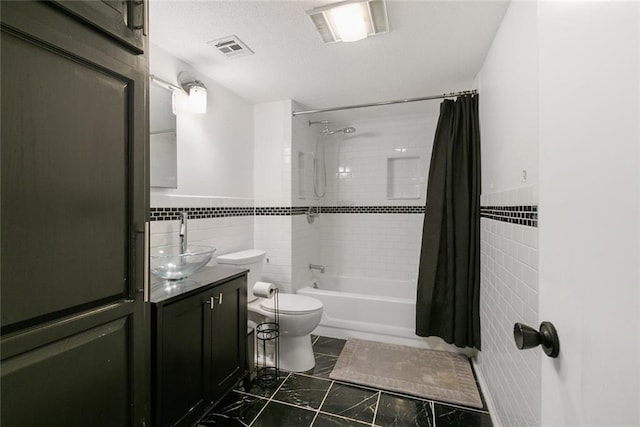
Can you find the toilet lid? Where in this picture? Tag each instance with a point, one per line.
(292, 304)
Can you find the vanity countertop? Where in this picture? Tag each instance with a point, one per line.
(163, 290)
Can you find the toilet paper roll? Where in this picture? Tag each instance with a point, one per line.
(264, 289)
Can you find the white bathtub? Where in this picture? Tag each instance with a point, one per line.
(374, 309)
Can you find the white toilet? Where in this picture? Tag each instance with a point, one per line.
(298, 314)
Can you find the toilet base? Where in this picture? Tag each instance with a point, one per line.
(296, 354)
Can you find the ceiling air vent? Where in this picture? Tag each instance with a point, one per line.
(231, 47)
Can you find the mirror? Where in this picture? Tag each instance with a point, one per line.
(162, 141)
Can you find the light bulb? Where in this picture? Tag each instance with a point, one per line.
(349, 22)
(198, 99)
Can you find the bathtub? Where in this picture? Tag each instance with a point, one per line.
(367, 308)
(372, 309)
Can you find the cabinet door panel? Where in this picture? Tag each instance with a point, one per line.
(79, 380)
(185, 361)
(122, 20)
(229, 328)
(65, 182)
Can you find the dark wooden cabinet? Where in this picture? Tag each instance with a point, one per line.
(199, 342)
(124, 21)
(228, 332)
(74, 343)
(184, 361)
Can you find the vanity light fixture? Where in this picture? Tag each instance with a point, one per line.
(196, 90)
(350, 20)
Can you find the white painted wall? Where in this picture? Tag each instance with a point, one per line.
(215, 150)
(508, 85)
(590, 210)
(509, 102)
(215, 164)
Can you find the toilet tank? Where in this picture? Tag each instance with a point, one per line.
(251, 259)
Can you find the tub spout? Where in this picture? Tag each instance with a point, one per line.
(320, 268)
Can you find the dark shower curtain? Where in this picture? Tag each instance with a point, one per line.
(448, 297)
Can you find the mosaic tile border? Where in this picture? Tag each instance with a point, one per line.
(273, 211)
(373, 209)
(521, 215)
(170, 214)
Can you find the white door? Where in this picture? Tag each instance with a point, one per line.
(589, 226)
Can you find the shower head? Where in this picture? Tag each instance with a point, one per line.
(349, 129)
(327, 131)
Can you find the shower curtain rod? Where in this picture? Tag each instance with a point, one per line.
(397, 101)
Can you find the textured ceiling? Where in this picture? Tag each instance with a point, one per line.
(433, 47)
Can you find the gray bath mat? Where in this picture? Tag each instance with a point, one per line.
(430, 374)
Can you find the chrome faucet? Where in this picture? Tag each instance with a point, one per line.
(317, 267)
(183, 232)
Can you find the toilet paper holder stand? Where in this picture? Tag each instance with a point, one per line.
(268, 339)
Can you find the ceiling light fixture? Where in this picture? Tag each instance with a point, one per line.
(197, 92)
(350, 20)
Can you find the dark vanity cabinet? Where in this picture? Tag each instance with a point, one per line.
(199, 344)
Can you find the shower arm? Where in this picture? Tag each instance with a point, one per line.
(318, 122)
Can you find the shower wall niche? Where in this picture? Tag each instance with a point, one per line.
(404, 178)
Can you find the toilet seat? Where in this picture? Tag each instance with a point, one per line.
(292, 304)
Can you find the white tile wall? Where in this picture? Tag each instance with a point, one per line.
(371, 245)
(274, 235)
(305, 237)
(357, 163)
(305, 249)
(509, 294)
(228, 234)
(304, 138)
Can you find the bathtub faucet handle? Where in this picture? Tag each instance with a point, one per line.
(317, 267)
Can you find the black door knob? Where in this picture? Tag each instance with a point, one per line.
(527, 337)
